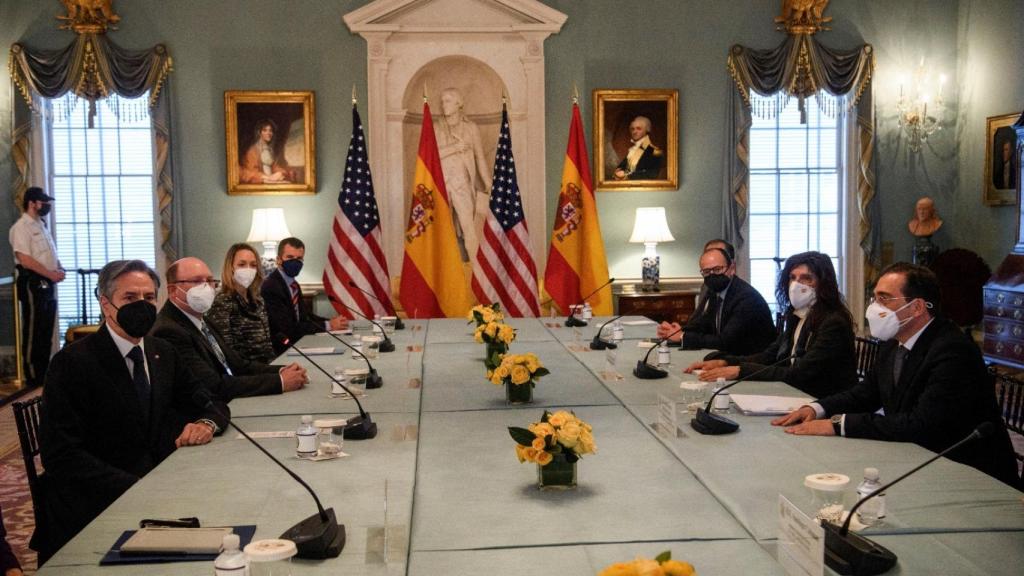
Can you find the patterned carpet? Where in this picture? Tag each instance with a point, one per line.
(14, 495)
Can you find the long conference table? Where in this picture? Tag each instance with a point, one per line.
(439, 491)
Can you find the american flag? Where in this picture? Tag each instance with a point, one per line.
(355, 254)
(503, 270)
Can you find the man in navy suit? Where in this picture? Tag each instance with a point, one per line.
(289, 320)
(929, 380)
(116, 403)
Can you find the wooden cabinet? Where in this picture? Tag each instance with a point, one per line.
(671, 305)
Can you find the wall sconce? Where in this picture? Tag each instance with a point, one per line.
(912, 106)
(268, 228)
(649, 228)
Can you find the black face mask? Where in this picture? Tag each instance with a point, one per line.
(292, 267)
(45, 209)
(717, 282)
(136, 318)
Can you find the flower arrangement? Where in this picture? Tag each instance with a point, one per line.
(519, 369)
(497, 335)
(483, 313)
(662, 565)
(560, 434)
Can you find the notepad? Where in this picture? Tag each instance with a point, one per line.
(321, 351)
(176, 541)
(757, 405)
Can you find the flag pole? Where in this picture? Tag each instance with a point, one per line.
(354, 99)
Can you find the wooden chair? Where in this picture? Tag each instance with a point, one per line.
(1010, 394)
(867, 354)
(27, 418)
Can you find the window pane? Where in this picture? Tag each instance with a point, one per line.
(762, 149)
(763, 274)
(762, 235)
(763, 194)
(793, 193)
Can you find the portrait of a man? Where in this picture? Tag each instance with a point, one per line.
(1004, 168)
(635, 139)
(269, 142)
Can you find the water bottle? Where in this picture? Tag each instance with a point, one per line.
(721, 404)
(617, 332)
(232, 561)
(306, 438)
(588, 312)
(871, 511)
(663, 355)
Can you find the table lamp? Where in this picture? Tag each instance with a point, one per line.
(268, 228)
(651, 227)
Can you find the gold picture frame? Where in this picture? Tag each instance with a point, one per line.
(283, 164)
(1000, 135)
(657, 167)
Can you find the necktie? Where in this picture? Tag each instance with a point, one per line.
(140, 379)
(296, 294)
(216, 347)
(897, 364)
(718, 313)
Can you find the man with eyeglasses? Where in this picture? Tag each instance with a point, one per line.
(117, 402)
(734, 318)
(190, 291)
(929, 385)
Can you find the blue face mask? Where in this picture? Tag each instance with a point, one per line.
(292, 267)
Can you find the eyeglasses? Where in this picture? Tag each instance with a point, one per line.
(883, 300)
(213, 283)
(716, 270)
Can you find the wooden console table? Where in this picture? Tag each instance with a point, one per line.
(667, 305)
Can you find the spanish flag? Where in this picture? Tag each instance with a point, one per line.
(433, 281)
(576, 262)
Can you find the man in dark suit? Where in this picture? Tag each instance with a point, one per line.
(190, 293)
(929, 380)
(282, 296)
(115, 405)
(643, 160)
(735, 318)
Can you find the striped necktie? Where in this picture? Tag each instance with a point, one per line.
(296, 295)
(216, 347)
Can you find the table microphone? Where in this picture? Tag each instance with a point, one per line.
(850, 553)
(399, 325)
(572, 321)
(645, 371)
(707, 422)
(317, 537)
(361, 427)
(597, 343)
(387, 345)
(373, 380)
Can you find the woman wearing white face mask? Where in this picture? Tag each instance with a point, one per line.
(818, 329)
(238, 312)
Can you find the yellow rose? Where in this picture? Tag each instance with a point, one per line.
(521, 453)
(530, 453)
(539, 443)
(478, 335)
(677, 568)
(542, 429)
(543, 458)
(502, 371)
(532, 363)
(558, 418)
(619, 569)
(520, 375)
(586, 443)
(645, 567)
(568, 434)
(490, 329)
(507, 334)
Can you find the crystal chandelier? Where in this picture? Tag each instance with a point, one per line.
(913, 103)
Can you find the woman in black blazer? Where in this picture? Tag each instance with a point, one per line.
(819, 329)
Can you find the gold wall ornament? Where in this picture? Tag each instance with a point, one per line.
(89, 16)
(803, 16)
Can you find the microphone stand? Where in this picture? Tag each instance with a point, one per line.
(707, 422)
(361, 427)
(850, 553)
(572, 321)
(317, 537)
(598, 344)
(387, 345)
(373, 380)
(645, 371)
(399, 325)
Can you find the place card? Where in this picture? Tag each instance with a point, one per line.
(801, 544)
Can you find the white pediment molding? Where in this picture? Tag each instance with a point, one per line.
(455, 16)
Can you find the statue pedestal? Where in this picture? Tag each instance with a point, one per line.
(925, 251)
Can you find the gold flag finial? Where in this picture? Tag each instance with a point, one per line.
(575, 94)
(355, 100)
(424, 92)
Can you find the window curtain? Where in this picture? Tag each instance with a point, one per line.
(801, 67)
(96, 69)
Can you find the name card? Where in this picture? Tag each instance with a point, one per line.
(801, 544)
(668, 417)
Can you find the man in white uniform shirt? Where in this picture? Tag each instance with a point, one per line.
(38, 273)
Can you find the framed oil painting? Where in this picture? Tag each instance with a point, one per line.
(271, 142)
(636, 139)
(1001, 169)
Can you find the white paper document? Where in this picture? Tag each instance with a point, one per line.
(756, 405)
(644, 322)
(321, 351)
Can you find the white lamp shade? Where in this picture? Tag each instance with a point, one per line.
(651, 226)
(268, 225)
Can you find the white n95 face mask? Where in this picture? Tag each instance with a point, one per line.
(883, 322)
(244, 276)
(200, 298)
(801, 296)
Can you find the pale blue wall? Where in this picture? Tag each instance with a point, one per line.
(303, 44)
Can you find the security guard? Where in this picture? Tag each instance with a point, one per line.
(38, 273)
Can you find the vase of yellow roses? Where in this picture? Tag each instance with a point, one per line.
(518, 373)
(497, 336)
(662, 565)
(484, 313)
(555, 445)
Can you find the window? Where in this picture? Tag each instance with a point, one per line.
(796, 199)
(102, 182)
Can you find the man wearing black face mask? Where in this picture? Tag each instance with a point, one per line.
(117, 403)
(39, 271)
(735, 319)
(282, 296)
